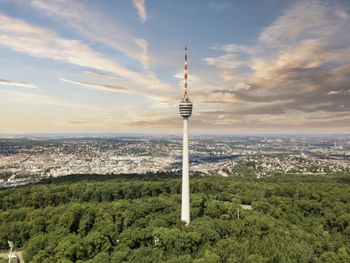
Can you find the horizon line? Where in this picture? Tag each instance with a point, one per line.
(106, 134)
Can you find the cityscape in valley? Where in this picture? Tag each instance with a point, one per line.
(28, 160)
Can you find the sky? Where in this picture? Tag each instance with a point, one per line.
(255, 66)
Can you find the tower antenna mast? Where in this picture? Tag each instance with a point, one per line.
(185, 75)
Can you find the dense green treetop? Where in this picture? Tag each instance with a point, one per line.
(130, 218)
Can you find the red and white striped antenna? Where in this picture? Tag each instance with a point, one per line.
(185, 75)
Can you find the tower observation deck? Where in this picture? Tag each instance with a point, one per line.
(185, 104)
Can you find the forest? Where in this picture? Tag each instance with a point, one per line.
(136, 218)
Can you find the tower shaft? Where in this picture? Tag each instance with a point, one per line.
(185, 203)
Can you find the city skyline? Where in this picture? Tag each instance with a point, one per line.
(256, 66)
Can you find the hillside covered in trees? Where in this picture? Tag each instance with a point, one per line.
(136, 219)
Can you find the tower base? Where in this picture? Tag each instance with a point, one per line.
(13, 258)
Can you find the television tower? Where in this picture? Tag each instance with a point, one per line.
(185, 112)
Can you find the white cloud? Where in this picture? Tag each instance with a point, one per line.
(220, 5)
(191, 77)
(234, 48)
(101, 75)
(106, 87)
(290, 72)
(154, 96)
(29, 98)
(241, 86)
(17, 84)
(141, 9)
(227, 61)
(87, 22)
(144, 56)
(43, 43)
(333, 92)
(305, 20)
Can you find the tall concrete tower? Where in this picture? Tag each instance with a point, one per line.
(185, 112)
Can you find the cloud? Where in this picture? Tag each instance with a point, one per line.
(219, 5)
(227, 61)
(161, 101)
(234, 48)
(106, 87)
(298, 68)
(333, 92)
(17, 84)
(191, 77)
(144, 56)
(141, 9)
(305, 20)
(43, 43)
(87, 21)
(101, 75)
(29, 98)
(40, 42)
